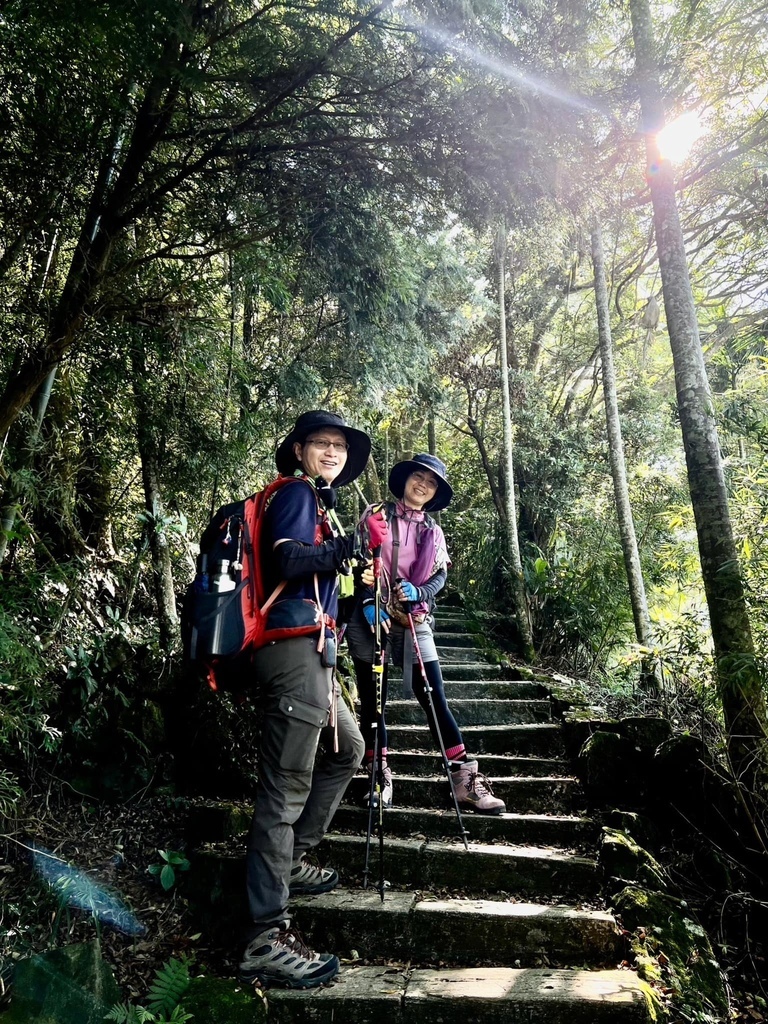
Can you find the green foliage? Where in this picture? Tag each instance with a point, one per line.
(26, 694)
(170, 983)
(11, 793)
(173, 862)
(124, 1013)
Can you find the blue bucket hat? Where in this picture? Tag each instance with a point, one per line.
(402, 470)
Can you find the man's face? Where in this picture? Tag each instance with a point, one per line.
(324, 453)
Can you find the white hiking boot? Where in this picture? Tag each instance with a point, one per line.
(308, 878)
(279, 956)
(473, 791)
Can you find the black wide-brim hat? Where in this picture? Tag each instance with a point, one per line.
(310, 422)
(402, 470)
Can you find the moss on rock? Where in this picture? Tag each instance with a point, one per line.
(672, 949)
(222, 1001)
(646, 733)
(639, 826)
(622, 858)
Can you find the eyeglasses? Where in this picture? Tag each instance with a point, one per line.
(324, 443)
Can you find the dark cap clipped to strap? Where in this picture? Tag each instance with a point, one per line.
(310, 422)
(402, 470)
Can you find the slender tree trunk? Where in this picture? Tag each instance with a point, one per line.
(616, 455)
(738, 674)
(39, 406)
(490, 473)
(519, 597)
(158, 537)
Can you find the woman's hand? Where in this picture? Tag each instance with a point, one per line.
(407, 592)
(369, 610)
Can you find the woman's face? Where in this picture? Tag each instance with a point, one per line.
(420, 488)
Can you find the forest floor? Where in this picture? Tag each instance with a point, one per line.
(111, 849)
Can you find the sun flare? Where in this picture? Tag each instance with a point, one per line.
(676, 139)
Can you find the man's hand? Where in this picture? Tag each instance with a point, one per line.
(378, 529)
(367, 576)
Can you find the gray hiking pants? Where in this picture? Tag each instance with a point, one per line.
(296, 795)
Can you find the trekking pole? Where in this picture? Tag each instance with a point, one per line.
(462, 831)
(377, 770)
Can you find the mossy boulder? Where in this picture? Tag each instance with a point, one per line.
(70, 985)
(580, 724)
(671, 949)
(641, 827)
(645, 732)
(608, 768)
(222, 1001)
(689, 784)
(621, 858)
(682, 761)
(568, 697)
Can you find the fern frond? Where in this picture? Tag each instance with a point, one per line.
(170, 984)
(179, 1016)
(122, 1013)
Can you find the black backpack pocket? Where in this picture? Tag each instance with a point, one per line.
(213, 624)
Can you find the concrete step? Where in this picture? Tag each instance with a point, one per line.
(499, 689)
(537, 740)
(545, 795)
(494, 765)
(216, 880)
(559, 830)
(480, 995)
(452, 638)
(425, 864)
(474, 712)
(212, 822)
(464, 655)
(406, 926)
(451, 621)
(475, 670)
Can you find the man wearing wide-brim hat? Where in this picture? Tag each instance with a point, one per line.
(297, 793)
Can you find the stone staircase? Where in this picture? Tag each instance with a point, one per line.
(511, 930)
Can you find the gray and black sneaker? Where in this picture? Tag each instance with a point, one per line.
(308, 878)
(279, 956)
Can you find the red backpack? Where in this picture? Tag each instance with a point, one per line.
(225, 609)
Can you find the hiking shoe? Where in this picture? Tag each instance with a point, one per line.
(473, 791)
(386, 789)
(308, 878)
(279, 956)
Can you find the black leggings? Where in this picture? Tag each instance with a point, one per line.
(449, 730)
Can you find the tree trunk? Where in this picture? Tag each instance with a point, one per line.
(158, 537)
(519, 597)
(618, 467)
(738, 675)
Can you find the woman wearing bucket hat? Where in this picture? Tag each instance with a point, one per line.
(415, 563)
(297, 793)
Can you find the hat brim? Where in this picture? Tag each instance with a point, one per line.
(357, 456)
(399, 475)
